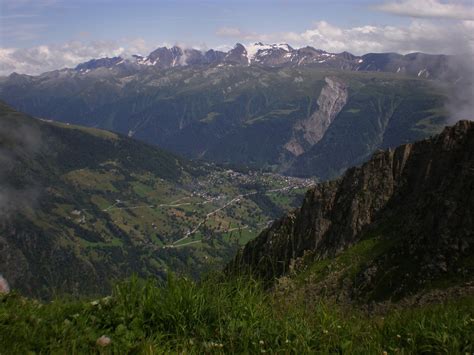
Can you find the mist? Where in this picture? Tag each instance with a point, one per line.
(17, 191)
(460, 103)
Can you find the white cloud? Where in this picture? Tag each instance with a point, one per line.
(435, 27)
(419, 36)
(429, 9)
(43, 58)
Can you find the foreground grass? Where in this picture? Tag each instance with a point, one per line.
(224, 317)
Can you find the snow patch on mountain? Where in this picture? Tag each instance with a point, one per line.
(262, 49)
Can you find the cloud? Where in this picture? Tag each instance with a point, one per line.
(429, 9)
(36, 60)
(419, 36)
(435, 27)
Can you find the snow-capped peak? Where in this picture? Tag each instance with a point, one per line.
(253, 49)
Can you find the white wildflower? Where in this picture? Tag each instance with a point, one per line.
(103, 341)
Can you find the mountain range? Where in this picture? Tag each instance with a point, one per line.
(279, 55)
(325, 111)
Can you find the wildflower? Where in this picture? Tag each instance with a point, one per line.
(103, 341)
(384, 353)
(261, 342)
(399, 336)
(325, 331)
(287, 341)
(95, 303)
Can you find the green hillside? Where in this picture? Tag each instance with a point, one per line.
(82, 207)
(226, 114)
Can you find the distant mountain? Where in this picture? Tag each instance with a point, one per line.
(283, 55)
(398, 224)
(81, 207)
(302, 120)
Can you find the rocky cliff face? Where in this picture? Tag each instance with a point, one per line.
(418, 198)
(309, 131)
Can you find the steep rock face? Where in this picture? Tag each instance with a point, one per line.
(212, 56)
(423, 192)
(309, 131)
(165, 57)
(237, 55)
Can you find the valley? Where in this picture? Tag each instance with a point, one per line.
(360, 267)
(106, 206)
(322, 119)
(201, 211)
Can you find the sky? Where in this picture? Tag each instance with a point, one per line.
(42, 35)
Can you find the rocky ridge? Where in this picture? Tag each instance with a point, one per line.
(281, 55)
(415, 203)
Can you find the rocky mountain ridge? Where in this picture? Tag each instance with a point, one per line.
(412, 205)
(280, 55)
